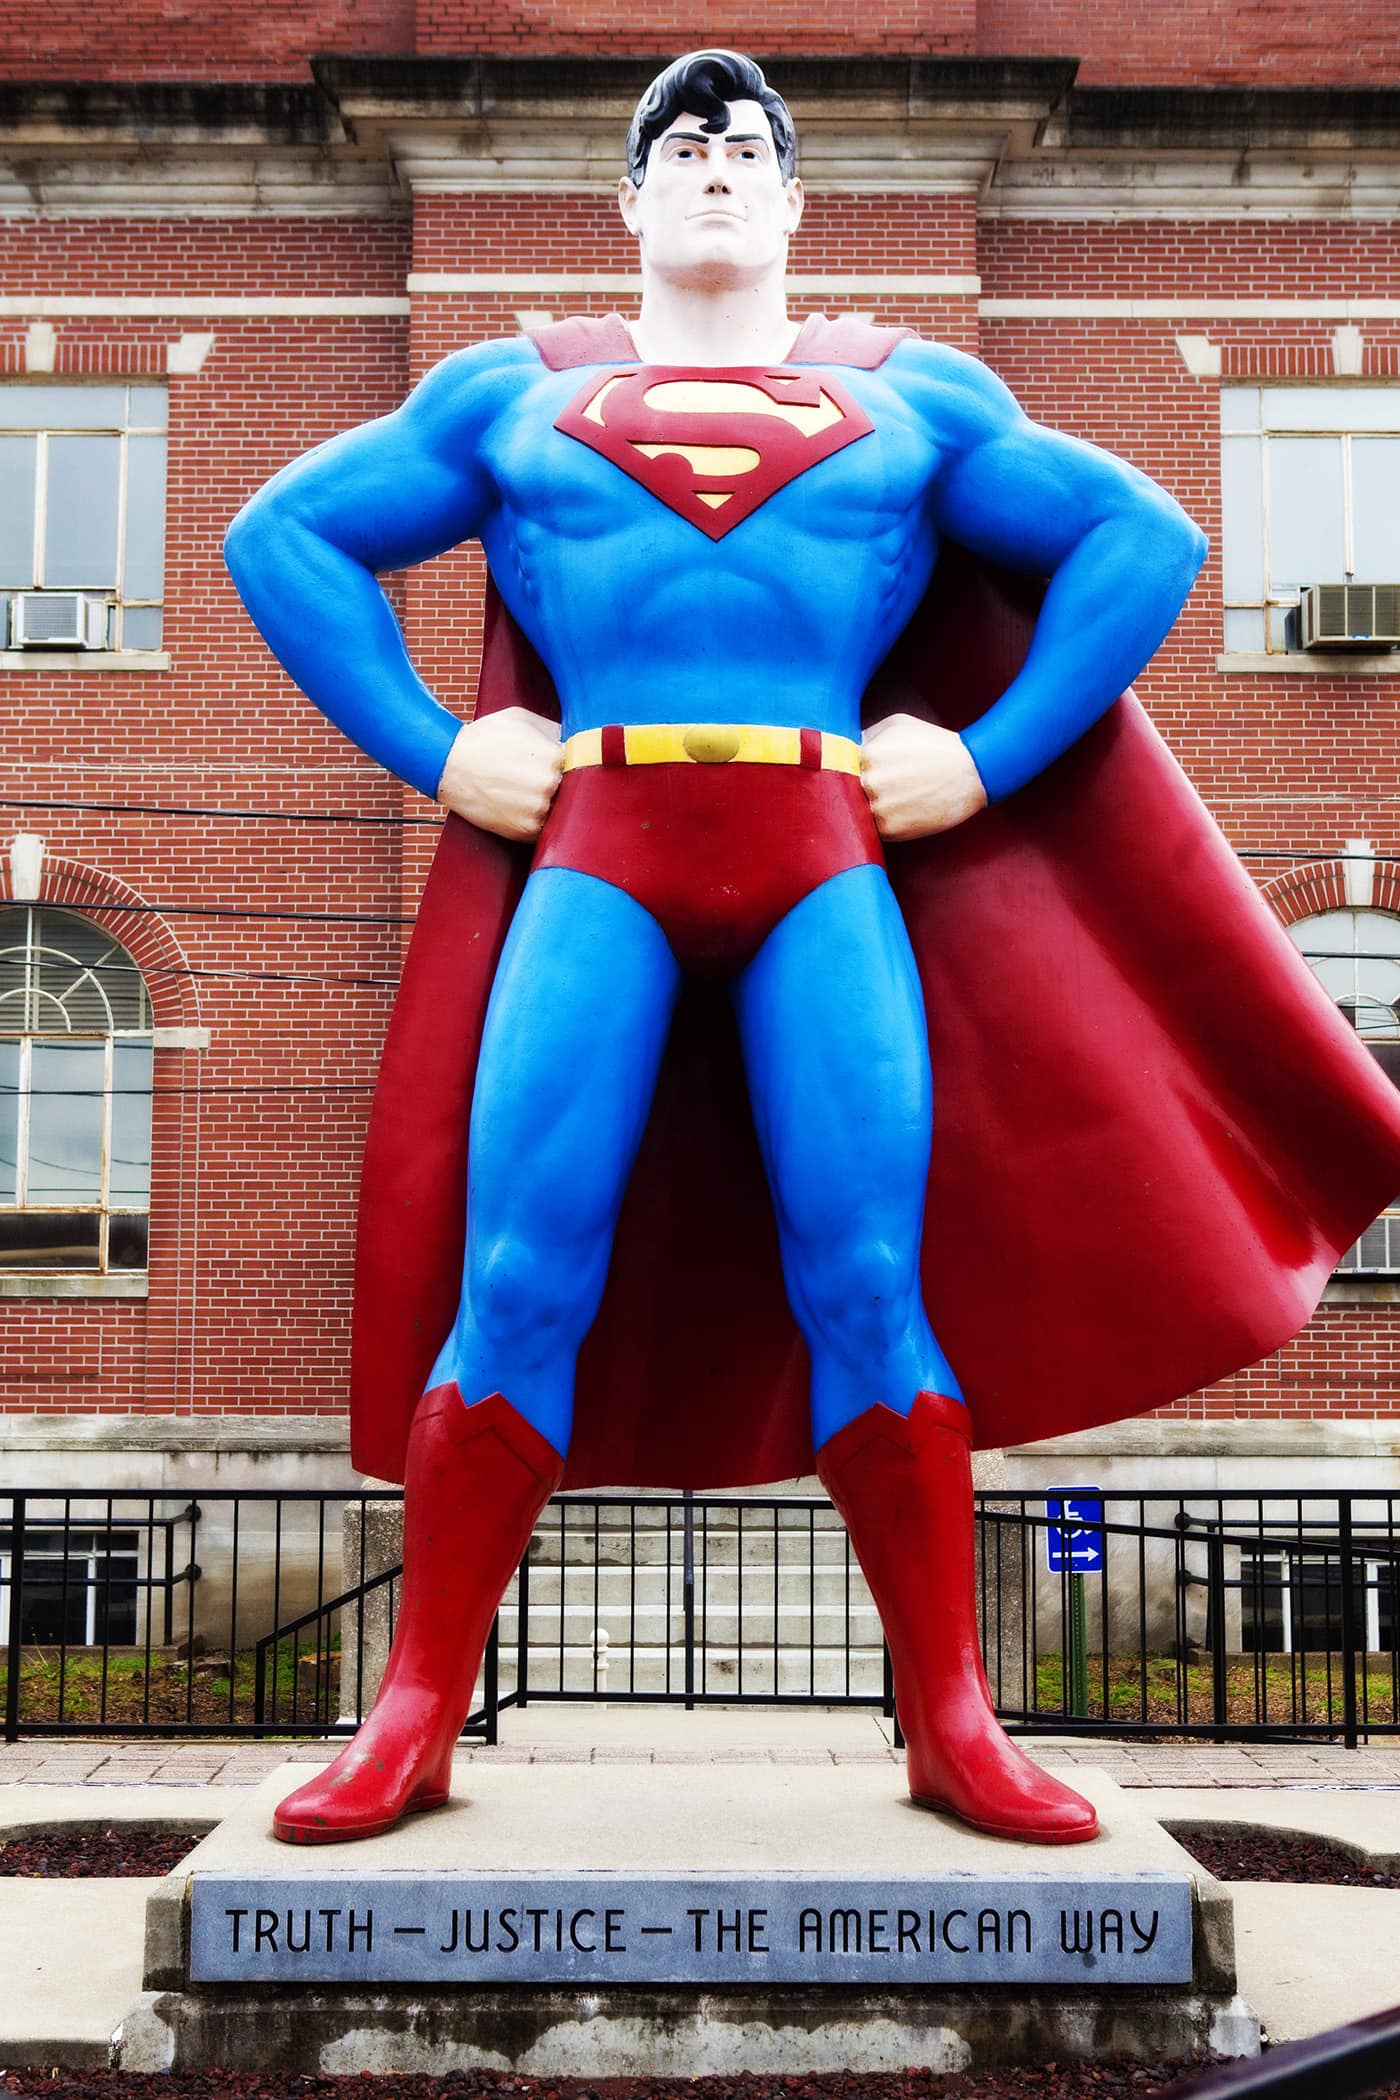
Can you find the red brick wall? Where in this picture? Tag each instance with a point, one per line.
(254, 1205)
(191, 39)
(592, 27)
(254, 1180)
(1198, 42)
(1254, 43)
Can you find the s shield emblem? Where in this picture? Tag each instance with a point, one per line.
(714, 446)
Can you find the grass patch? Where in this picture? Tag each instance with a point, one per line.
(1274, 1690)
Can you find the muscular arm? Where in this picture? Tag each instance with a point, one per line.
(1120, 554)
(305, 551)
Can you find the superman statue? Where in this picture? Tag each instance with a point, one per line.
(651, 1192)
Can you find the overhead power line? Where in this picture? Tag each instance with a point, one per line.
(180, 809)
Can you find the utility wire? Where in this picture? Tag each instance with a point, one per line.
(102, 1093)
(434, 823)
(180, 809)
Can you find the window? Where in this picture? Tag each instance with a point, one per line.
(78, 1588)
(1356, 956)
(75, 1096)
(1308, 486)
(1291, 1603)
(83, 470)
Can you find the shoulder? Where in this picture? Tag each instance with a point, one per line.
(957, 394)
(469, 387)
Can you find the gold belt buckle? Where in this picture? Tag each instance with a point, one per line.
(711, 745)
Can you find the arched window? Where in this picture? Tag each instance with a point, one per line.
(75, 1096)
(1356, 955)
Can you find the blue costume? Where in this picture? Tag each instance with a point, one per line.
(775, 621)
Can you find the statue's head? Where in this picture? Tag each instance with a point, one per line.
(710, 190)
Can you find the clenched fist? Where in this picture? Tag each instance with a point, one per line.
(502, 771)
(918, 778)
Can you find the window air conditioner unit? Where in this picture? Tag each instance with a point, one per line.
(1351, 616)
(57, 620)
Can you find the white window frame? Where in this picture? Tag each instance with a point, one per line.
(1380, 1575)
(1276, 1572)
(103, 1207)
(118, 604)
(1276, 605)
(85, 1557)
(1306, 934)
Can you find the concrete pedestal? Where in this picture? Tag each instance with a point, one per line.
(664, 1920)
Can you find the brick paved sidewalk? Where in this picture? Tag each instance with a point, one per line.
(51, 1762)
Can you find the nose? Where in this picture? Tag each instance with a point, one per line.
(718, 185)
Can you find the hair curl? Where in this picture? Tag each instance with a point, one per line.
(703, 84)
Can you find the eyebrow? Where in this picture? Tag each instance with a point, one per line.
(733, 138)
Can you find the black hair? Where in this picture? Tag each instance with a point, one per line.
(703, 84)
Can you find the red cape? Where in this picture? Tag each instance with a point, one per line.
(1154, 1134)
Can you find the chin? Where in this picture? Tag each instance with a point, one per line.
(718, 264)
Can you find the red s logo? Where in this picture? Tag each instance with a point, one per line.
(713, 445)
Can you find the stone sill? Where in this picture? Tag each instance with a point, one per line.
(212, 1434)
(1355, 1437)
(59, 1286)
(1362, 1290)
(1317, 664)
(84, 659)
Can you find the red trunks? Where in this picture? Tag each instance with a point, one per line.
(718, 854)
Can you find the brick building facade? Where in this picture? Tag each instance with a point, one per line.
(1171, 231)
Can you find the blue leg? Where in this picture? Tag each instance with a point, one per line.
(832, 1019)
(574, 1033)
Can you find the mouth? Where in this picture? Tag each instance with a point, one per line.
(733, 218)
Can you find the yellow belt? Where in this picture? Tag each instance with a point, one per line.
(710, 743)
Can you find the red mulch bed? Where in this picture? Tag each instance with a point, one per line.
(1120, 2078)
(68, 1853)
(1105, 2081)
(1278, 1855)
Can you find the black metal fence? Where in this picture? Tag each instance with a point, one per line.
(259, 1613)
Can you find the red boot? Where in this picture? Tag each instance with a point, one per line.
(477, 1479)
(904, 1488)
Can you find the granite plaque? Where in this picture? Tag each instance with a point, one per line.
(599, 1928)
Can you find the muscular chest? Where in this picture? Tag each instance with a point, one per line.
(710, 462)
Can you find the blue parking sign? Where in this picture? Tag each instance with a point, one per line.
(1074, 1533)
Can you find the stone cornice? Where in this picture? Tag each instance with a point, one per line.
(1234, 120)
(365, 133)
(165, 113)
(531, 124)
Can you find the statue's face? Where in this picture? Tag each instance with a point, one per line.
(713, 211)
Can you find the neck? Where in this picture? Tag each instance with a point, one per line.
(690, 325)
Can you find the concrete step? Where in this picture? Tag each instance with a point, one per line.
(618, 1545)
(826, 1675)
(797, 1588)
(828, 1627)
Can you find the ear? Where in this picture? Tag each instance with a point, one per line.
(796, 198)
(627, 202)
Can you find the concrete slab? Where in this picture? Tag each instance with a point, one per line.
(1368, 1821)
(843, 1823)
(851, 1819)
(1311, 1958)
(27, 1808)
(70, 1954)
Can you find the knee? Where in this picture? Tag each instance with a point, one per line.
(527, 1300)
(855, 1297)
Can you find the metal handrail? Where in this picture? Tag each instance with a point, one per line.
(1342, 2064)
(484, 1721)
